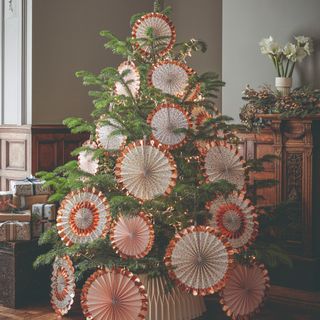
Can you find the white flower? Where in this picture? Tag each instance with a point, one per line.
(290, 51)
(302, 39)
(269, 46)
(308, 47)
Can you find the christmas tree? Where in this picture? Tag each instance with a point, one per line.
(159, 189)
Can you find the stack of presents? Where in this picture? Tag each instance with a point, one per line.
(24, 211)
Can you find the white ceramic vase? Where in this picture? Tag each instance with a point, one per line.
(283, 85)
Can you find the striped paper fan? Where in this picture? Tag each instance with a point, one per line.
(83, 216)
(86, 162)
(62, 285)
(222, 161)
(199, 260)
(132, 236)
(235, 218)
(114, 294)
(146, 170)
(165, 120)
(163, 31)
(132, 80)
(245, 291)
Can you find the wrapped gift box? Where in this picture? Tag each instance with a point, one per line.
(15, 231)
(21, 216)
(26, 202)
(43, 218)
(5, 201)
(29, 187)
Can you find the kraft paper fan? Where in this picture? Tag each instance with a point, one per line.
(131, 78)
(163, 31)
(172, 77)
(86, 162)
(62, 285)
(114, 294)
(199, 260)
(235, 218)
(245, 291)
(83, 216)
(107, 138)
(132, 236)
(146, 170)
(222, 161)
(165, 120)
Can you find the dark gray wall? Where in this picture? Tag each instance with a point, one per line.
(245, 23)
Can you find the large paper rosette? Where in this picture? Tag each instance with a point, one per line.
(235, 218)
(165, 120)
(86, 161)
(62, 285)
(83, 216)
(199, 260)
(245, 291)
(114, 294)
(163, 31)
(107, 138)
(132, 236)
(172, 77)
(146, 170)
(131, 78)
(223, 161)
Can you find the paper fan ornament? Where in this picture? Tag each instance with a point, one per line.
(235, 218)
(172, 77)
(199, 260)
(86, 162)
(132, 80)
(146, 170)
(163, 31)
(132, 236)
(222, 161)
(165, 120)
(245, 291)
(114, 294)
(62, 285)
(107, 138)
(83, 216)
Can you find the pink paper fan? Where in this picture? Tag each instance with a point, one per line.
(86, 162)
(132, 80)
(132, 237)
(114, 294)
(245, 291)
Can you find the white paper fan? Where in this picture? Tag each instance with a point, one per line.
(146, 170)
(83, 217)
(132, 80)
(86, 162)
(163, 30)
(165, 120)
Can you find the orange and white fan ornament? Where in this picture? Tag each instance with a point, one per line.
(234, 216)
(83, 216)
(172, 77)
(132, 236)
(222, 160)
(199, 260)
(245, 291)
(62, 285)
(163, 31)
(131, 80)
(86, 161)
(165, 120)
(114, 294)
(146, 170)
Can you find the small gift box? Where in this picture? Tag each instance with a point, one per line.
(6, 198)
(43, 218)
(29, 187)
(26, 202)
(15, 231)
(21, 216)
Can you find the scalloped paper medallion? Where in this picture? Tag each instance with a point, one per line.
(132, 80)
(83, 216)
(62, 285)
(165, 120)
(114, 294)
(199, 260)
(235, 218)
(146, 170)
(163, 30)
(86, 162)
